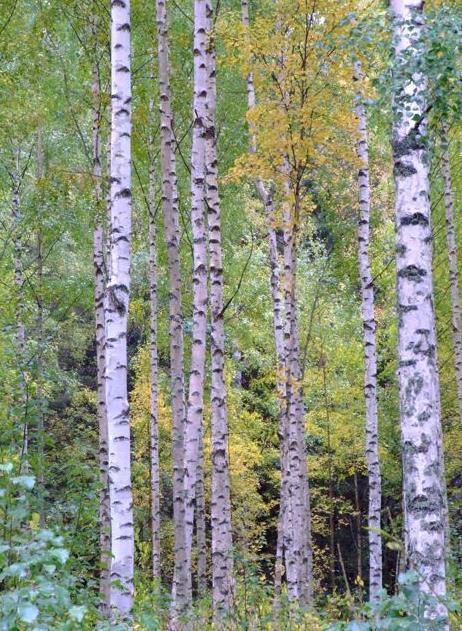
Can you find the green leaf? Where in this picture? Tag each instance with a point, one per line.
(25, 481)
(28, 613)
(77, 612)
(61, 554)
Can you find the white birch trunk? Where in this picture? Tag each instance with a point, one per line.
(194, 418)
(370, 352)
(100, 283)
(169, 194)
(423, 471)
(222, 543)
(17, 218)
(200, 522)
(154, 362)
(452, 260)
(278, 327)
(297, 530)
(40, 347)
(116, 316)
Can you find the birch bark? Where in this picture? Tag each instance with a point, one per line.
(116, 316)
(200, 521)
(452, 260)
(169, 193)
(154, 361)
(370, 351)
(278, 328)
(194, 418)
(17, 218)
(298, 538)
(423, 471)
(100, 283)
(222, 552)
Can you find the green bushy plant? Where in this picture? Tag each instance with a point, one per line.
(403, 611)
(36, 590)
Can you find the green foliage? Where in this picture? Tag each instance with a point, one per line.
(405, 611)
(37, 590)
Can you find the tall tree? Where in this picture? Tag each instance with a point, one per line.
(297, 530)
(116, 317)
(100, 284)
(169, 193)
(154, 359)
(222, 541)
(423, 470)
(266, 197)
(194, 418)
(452, 260)
(17, 218)
(370, 349)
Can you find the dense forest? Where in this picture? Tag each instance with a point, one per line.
(231, 348)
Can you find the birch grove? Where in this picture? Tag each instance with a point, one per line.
(231, 331)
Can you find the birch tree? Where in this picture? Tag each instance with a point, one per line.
(169, 194)
(17, 218)
(116, 315)
(154, 361)
(370, 349)
(99, 289)
(194, 419)
(423, 471)
(222, 542)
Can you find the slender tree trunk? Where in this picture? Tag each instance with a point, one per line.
(40, 349)
(200, 522)
(100, 283)
(154, 360)
(298, 536)
(452, 260)
(423, 471)
(222, 543)
(16, 212)
(195, 411)
(116, 316)
(322, 361)
(370, 352)
(359, 539)
(172, 236)
(278, 327)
